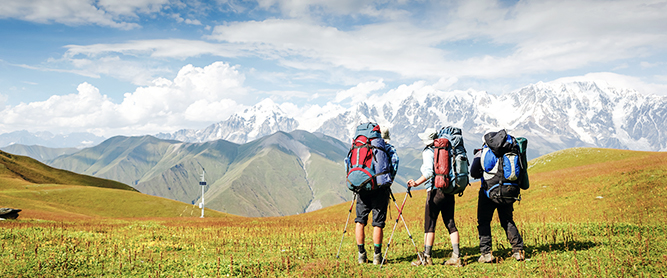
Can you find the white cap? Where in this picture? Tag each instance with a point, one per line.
(428, 135)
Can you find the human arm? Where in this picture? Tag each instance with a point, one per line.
(394, 160)
(426, 168)
(476, 170)
(419, 181)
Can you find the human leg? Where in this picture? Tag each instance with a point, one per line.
(448, 207)
(359, 233)
(362, 211)
(506, 217)
(485, 209)
(430, 219)
(379, 208)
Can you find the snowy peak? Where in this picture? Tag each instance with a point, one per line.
(552, 115)
(264, 118)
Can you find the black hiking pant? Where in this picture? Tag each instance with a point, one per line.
(485, 209)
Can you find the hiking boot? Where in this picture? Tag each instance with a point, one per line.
(377, 258)
(453, 261)
(427, 260)
(362, 258)
(486, 258)
(519, 255)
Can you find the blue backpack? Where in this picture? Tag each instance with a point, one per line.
(458, 170)
(504, 165)
(368, 165)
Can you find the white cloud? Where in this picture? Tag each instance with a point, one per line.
(558, 35)
(132, 7)
(68, 12)
(311, 117)
(179, 19)
(78, 72)
(107, 13)
(125, 61)
(621, 81)
(161, 48)
(193, 22)
(391, 47)
(301, 8)
(507, 41)
(360, 92)
(647, 65)
(196, 97)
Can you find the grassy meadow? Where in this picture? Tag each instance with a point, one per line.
(588, 213)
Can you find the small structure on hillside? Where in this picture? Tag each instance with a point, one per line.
(202, 183)
(9, 213)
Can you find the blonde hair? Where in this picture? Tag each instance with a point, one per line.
(385, 133)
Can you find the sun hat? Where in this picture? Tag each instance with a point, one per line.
(427, 136)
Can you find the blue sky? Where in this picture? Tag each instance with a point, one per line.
(147, 66)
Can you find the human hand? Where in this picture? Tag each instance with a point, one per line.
(411, 183)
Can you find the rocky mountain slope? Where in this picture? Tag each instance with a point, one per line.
(280, 174)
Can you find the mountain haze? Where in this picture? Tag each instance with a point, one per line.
(47, 139)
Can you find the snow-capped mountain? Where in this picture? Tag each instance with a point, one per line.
(553, 116)
(263, 119)
(47, 139)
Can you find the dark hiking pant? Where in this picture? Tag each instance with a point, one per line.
(485, 209)
(439, 203)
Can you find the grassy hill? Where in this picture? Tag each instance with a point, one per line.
(39, 153)
(568, 232)
(33, 171)
(47, 193)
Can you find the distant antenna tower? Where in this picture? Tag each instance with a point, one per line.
(202, 183)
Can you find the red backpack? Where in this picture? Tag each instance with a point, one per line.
(441, 162)
(368, 166)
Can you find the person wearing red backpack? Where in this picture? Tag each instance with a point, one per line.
(373, 193)
(437, 202)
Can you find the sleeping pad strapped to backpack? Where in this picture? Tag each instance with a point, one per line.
(450, 161)
(368, 165)
(504, 162)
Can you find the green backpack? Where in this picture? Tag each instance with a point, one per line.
(524, 183)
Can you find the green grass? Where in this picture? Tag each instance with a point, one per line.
(33, 171)
(567, 230)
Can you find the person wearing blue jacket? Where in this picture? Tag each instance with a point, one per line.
(391, 152)
(485, 210)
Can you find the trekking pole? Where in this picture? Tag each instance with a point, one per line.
(346, 221)
(400, 216)
(422, 259)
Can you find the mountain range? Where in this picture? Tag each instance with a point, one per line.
(553, 116)
(262, 163)
(279, 174)
(50, 140)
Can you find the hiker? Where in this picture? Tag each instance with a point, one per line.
(486, 205)
(370, 176)
(437, 202)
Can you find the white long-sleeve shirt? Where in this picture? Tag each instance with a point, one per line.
(427, 167)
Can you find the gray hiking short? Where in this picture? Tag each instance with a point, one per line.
(376, 201)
